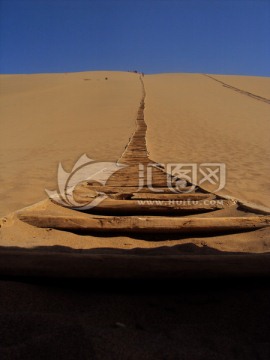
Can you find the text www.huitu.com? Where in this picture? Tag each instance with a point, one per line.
(180, 202)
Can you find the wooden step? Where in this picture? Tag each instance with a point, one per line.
(83, 195)
(146, 224)
(161, 207)
(82, 189)
(168, 197)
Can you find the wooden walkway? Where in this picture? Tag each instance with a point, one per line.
(136, 150)
(142, 186)
(133, 204)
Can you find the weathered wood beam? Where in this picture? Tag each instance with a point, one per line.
(83, 189)
(143, 225)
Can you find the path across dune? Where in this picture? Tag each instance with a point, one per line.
(130, 201)
(136, 150)
(247, 93)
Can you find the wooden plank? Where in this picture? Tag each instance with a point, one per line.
(177, 196)
(82, 196)
(161, 207)
(83, 189)
(135, 182)
(146, 224)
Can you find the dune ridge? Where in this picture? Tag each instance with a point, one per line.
(247, 93)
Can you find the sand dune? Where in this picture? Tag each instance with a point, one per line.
(58, 301)
(254, 84)
(193, 119)
(52, 118)
(190, 118)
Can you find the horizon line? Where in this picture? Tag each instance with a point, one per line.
(131, 71)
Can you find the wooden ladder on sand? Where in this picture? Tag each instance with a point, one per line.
(132, 206)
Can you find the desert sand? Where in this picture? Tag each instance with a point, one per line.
(47, 119)
(254, 84)
(193, 119)
(52, 118)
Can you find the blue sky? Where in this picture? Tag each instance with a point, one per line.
(154, 36)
